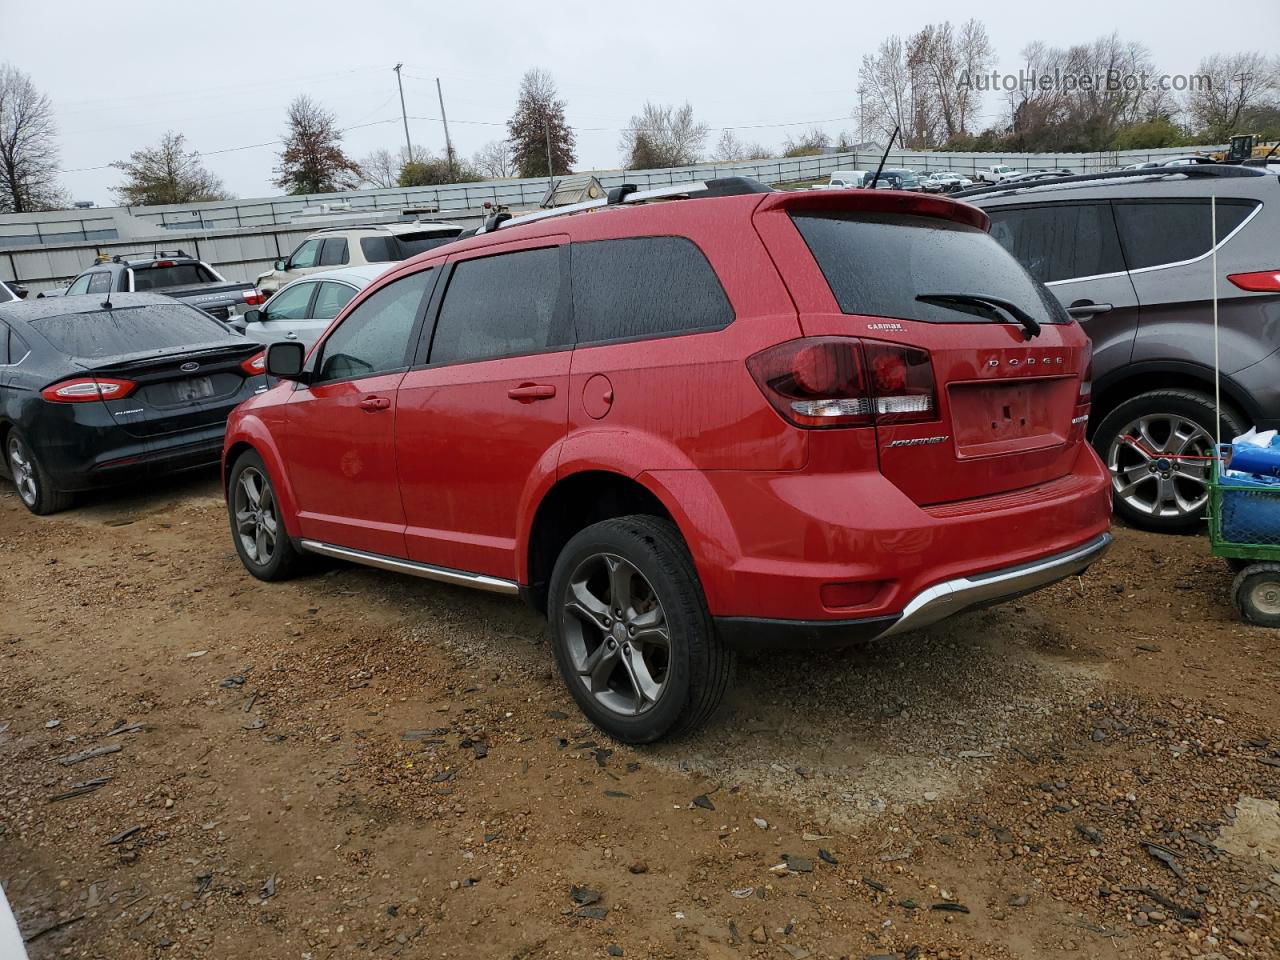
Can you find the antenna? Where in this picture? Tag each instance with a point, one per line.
(885, 156)
(1217, 377)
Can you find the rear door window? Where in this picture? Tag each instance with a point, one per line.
(1061, 241)
(877, 266)
(99, 282)
(333, 252)
(330, 299)
(127, 330)
(79, 286)
(374, 337)
(644, 287)
(501, 306)
(1160, 232)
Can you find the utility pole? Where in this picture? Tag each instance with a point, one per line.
(403, 115)
(546, 128)
(448, 144)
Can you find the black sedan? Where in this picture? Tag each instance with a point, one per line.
(96, 392)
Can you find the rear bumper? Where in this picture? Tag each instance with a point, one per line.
(929, 606)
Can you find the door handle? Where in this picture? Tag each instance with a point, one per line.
(374, 404)
(1083, 309)
(528, 392)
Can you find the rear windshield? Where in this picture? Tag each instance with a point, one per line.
(126, 330)
(877, 266)
(179, 275)
(388, 249)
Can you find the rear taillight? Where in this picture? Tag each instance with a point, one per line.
(1086, 383)
(845, 382)
(1264, 281)
(87, 390)
(255, 365)
(254, 298)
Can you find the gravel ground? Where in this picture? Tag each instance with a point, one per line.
(355, 763)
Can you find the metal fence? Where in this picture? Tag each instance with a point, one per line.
(242, 237)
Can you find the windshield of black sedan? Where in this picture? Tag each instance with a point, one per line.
(121, 330)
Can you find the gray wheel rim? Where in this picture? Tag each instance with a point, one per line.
(1152, 480)
(617, 634)
(256, 518)
(1265, 596)
(24, 472)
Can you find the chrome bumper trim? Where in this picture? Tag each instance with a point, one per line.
(478, 581)
(953, 596)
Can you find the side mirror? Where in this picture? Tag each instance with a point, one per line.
(281, 265)
(252, 316)
(285, 360)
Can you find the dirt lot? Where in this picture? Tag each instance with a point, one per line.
(358, 763)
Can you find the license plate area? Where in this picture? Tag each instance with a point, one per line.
(993, 419)
(196, 388)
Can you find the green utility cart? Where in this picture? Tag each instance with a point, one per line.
(1244, 529)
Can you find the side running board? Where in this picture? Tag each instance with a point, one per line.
(462, 578)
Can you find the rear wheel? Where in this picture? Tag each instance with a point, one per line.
(1257, 594)
(35, 488)
(1141, 441)
(256, 526)
(631, 633)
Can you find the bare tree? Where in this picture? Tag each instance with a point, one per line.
(166, 173)
(495, 160)
(382, 167)
(313, 160)
(808, 144)
(885, 85)
(538, 121)
(729, 149)
(948, 59)
(1236, 84)
(662, 136)
(28, 146)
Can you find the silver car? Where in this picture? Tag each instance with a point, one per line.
(303, 310)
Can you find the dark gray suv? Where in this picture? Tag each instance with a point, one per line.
(1130, 255)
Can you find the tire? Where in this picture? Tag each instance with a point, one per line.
(636, 689)
(257, 530)
(35, 488)
(1256, 592)
(1161, 493)
(1236, 564)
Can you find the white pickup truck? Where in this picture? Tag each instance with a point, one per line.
(995, 173)
(845, 180)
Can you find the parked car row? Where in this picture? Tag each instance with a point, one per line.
(894, 178)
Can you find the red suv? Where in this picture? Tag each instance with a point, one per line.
(736, 417)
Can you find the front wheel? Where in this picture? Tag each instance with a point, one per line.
(631, 633)
(1155, 446)
(1257, 594)
(256, 525)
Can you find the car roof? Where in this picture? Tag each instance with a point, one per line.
(1151, 182)
(29, 310)
(361, 276)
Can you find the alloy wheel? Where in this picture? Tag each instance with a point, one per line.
(257, 522)
(617, 634)
(1150, 477)
(23, 469)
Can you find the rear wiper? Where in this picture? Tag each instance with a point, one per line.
(1028, 322)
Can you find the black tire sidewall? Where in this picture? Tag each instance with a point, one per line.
(684, 608)
(1191, 404)
(278, 567)
(48, 498)
(1243, 585)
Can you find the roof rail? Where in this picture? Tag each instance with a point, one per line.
(1153, 173)
(627, 194)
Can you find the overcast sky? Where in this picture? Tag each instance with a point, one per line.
(223, 73)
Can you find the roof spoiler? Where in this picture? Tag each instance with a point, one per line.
(877, 201)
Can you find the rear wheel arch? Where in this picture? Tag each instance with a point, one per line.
(1147, 378)
(574, 503)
